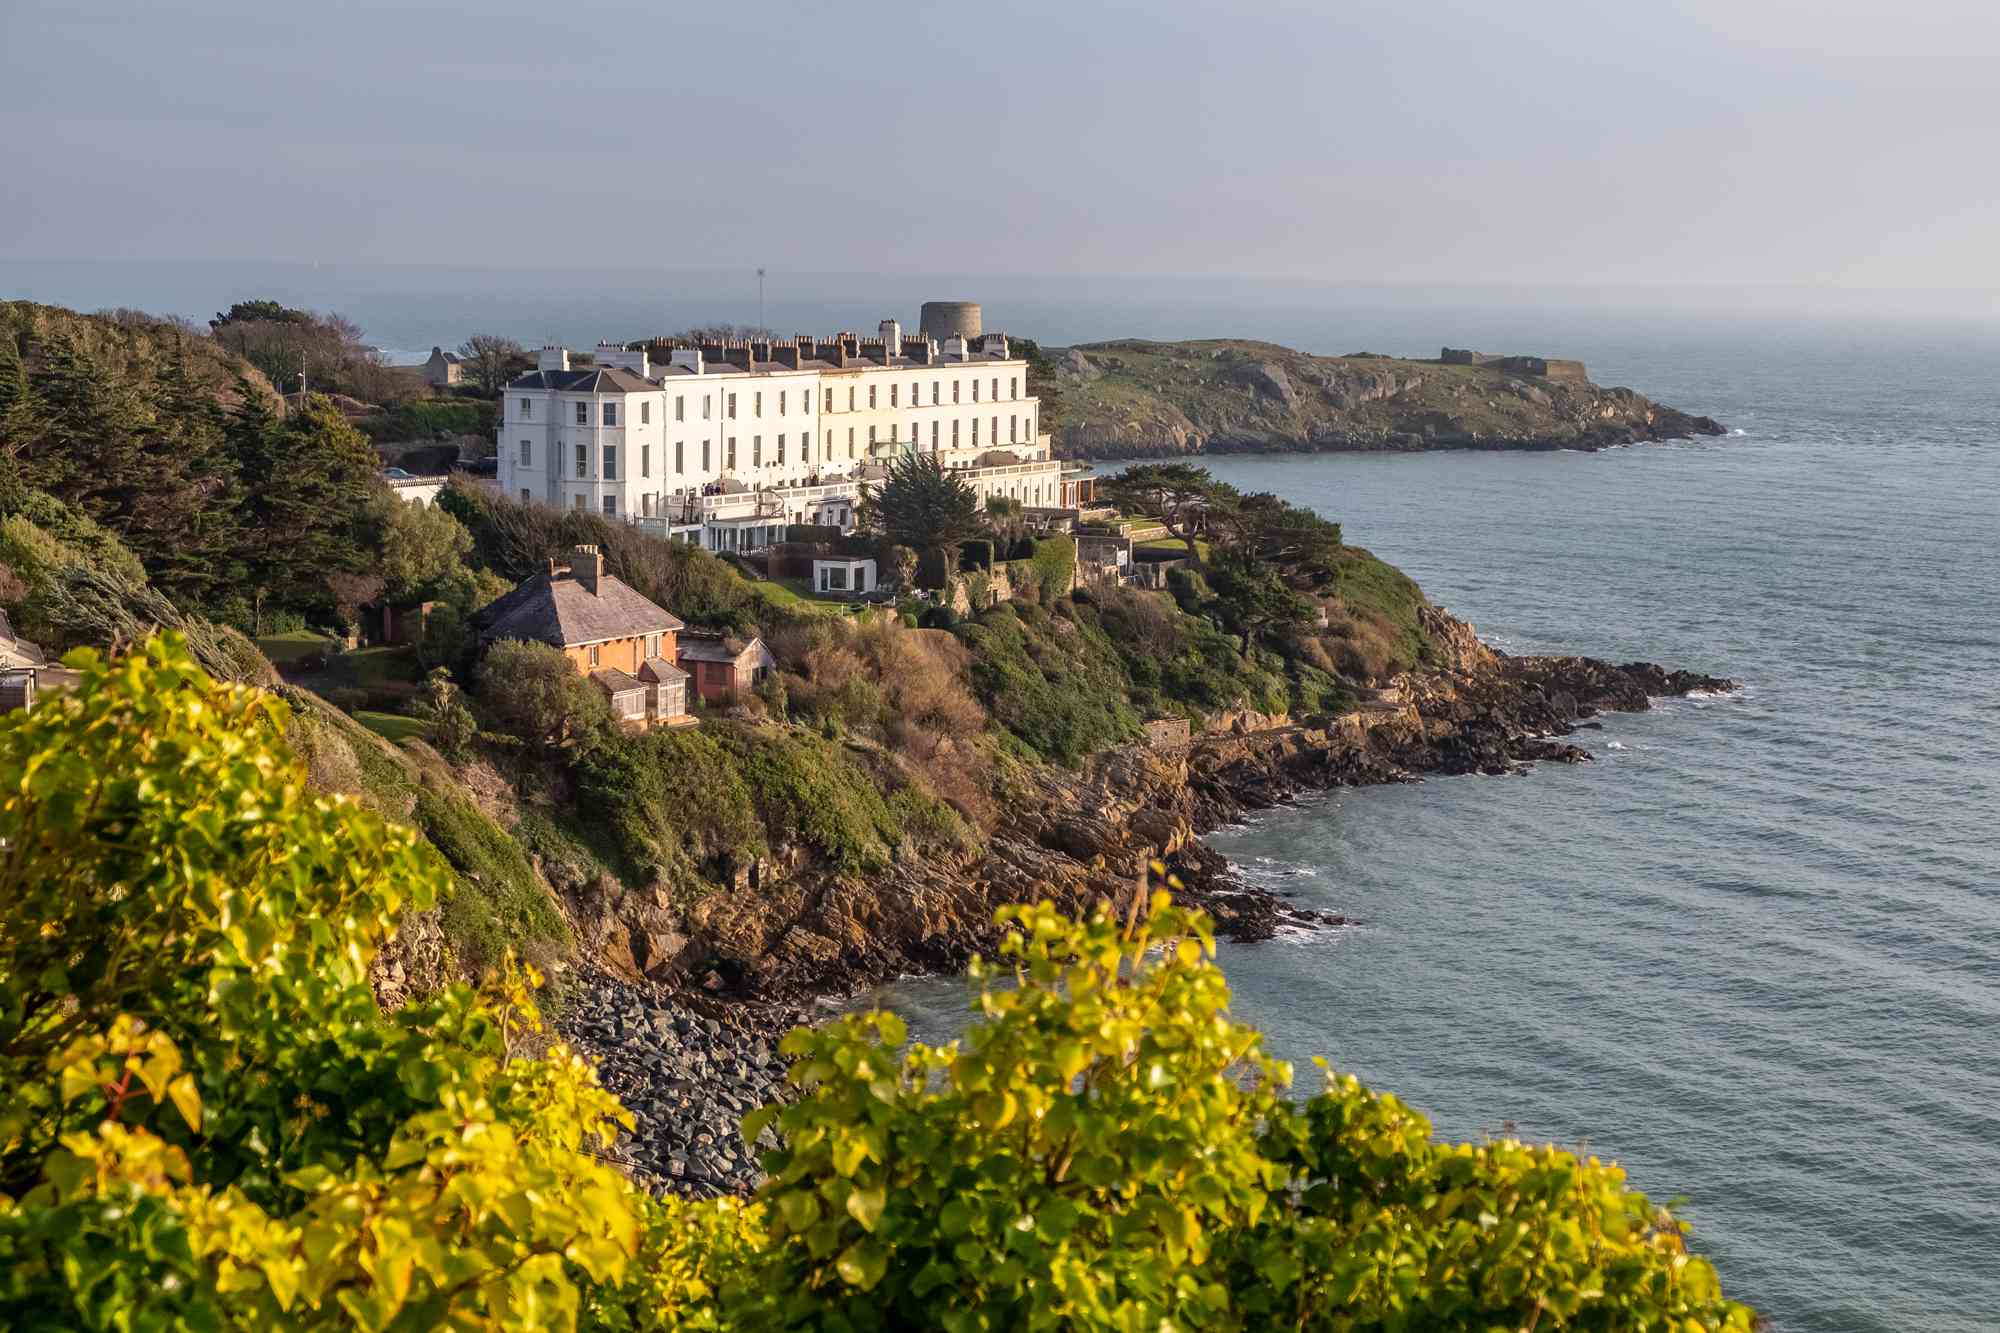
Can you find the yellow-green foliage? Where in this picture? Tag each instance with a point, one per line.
(208, 1125)
(207, 1122)
(1107, 1150)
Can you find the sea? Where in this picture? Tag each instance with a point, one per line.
(1752, 952)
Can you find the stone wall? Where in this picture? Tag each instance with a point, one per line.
(1539, 366)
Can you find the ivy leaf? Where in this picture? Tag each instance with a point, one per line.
(862, 1264)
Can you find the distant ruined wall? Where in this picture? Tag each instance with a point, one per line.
(1540, 366)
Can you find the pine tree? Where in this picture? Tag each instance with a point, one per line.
(20, 417)
(308, 485)
(191, 523)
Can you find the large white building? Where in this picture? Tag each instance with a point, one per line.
(726, 443)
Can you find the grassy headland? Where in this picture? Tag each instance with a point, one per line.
(1135, 398)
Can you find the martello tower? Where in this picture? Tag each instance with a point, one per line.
(949, 319)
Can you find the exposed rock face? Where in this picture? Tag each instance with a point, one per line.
(1087, 836)
(1134, 398)
(690, 1063)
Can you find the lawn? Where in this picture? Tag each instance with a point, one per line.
(1176, 545)
(392, 727)
(797, 595)
(284, 649)
(389, 671)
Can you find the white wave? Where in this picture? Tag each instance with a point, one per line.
(1614, 745)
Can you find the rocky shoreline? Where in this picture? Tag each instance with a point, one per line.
(689, 1060)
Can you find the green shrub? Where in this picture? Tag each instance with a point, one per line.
(805, 788)
(209, 1124)
(1052, 682)
(1054, 561)
(533, 691)
(429, 418)
(673, 802)
(1105, 1149)
(496, 905)
(516, 540)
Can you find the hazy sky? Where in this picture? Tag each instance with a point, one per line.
(1810, 142)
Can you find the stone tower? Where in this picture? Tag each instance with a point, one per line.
(946, 319)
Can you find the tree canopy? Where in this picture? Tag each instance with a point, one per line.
(492, 360)
(922, 505)
(285, 343)
(1181, 495)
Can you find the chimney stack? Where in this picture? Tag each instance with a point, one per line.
(586, 566)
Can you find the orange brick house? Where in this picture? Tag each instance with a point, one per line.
(611, 634)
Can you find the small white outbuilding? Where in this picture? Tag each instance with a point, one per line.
(844, 575)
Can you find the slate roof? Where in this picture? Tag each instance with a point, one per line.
(587, 379)
(661, 670)
(559, 610)
(715, 650)
(616, 681)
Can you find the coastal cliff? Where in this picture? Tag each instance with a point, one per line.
(1078, 835)
(684, 1057)
(1134, 398)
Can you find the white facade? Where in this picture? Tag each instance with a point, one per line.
(736, 441)
(845, 574)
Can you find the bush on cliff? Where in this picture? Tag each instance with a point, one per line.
(210, 1125)
(688, 806)
(532, 691)
(1052, 681)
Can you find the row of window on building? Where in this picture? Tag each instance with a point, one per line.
(610, 410)
(525, 456)
(1034, 493)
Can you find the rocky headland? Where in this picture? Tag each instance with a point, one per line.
(1134, 398)
(690, 1051)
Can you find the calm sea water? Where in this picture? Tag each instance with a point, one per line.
(1753, 952)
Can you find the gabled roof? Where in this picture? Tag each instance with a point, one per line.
(616, 682)
(717, 650)
(661, 670)
(588, 379)
(557, 609)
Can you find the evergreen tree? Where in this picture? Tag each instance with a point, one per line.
(187, 527)
(19, 416)
(85, 449)
(923, 506)
(308, 483)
